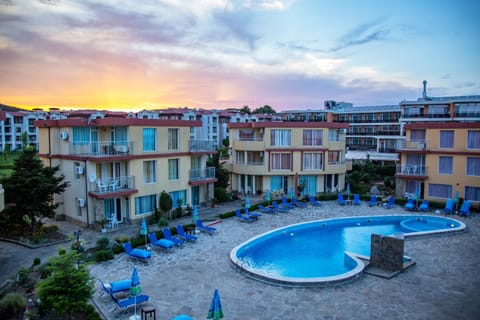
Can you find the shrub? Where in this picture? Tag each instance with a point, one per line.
(13, 304)
(91, 313)
(36, 262)
(162, 222)
(102, 243)
(22, 276)
(103, 255)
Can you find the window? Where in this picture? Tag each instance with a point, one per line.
(173, 139)
(179, 198)
(145, 204)
(149, 139)
(473, 139)
(333, 157)
(80, 135)
(333, 135)
(417, 135)
(312, 137)
(173, 172)
(280, 137)
(439, 190)
(473, 166)
(445, 165)
(281, 161)
(278, 183)
(150, 171)
(446, 138)
(246, 135)
(472, 193)
(312, 161)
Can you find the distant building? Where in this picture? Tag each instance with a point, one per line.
(15, 124)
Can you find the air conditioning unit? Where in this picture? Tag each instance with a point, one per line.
(79, 170)
(261, 130)
(81, 202)
(343, 131)
(63, 135)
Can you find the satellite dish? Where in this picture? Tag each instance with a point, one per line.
(92, 178)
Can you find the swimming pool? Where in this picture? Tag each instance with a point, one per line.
(327, 250)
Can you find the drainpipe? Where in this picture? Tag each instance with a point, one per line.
(86, 193)
(49, 147)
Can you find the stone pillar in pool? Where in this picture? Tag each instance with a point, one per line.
(386, 252)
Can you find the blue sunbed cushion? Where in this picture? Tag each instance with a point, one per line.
(164, 243)
(144, 254)
(118, 286)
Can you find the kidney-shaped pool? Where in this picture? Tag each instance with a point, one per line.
(323, 251)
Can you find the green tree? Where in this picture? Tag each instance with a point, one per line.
(221, 173)
(68, 288)
(266, 109)
(31, 188)
(24, 139)
(165, 202)
(246, 109)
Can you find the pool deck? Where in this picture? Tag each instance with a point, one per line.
(444, 283)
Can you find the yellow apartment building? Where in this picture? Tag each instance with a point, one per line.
(117, 165)
(286, 156)
(439, 159)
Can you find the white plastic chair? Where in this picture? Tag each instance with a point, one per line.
(101, 186)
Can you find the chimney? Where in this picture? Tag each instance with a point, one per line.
(424, 93)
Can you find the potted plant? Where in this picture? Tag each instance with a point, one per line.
(102, 225)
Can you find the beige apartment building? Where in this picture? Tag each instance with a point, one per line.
(117, 164)
(279, 157)
(440, 158)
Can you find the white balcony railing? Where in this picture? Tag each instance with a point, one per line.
(411, 170)
(102, 148)
(107, 185)
(197, 145)
(202, 174)
(412, 144)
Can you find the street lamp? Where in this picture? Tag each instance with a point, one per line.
(78, 245)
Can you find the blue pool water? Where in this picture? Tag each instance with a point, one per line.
(316, 251)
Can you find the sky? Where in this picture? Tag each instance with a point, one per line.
(290, 55)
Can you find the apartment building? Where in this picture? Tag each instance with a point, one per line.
(13, 125)
(440, 156)
(281, 156)
(118, 163)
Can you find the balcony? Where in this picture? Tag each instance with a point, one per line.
(110, 187)
(102, 148)
(412, 144)
(249, 167)
(202, 176)
(204, 145)
(411, 170)
(249, 144)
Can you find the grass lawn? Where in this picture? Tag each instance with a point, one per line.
(6, 163)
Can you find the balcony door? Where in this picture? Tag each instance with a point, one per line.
(113, 209)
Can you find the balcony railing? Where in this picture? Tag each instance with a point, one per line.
(249, 163)
(411, 170)
(202, 174)
(109, 185)
(202, 145)
(102, 148)
(412, 144)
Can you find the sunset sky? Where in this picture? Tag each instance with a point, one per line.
(134, 55)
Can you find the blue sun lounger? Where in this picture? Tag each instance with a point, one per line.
(253, 214)
(465, 209)
(139, 254)
(410, 205)
(243, 218)
(162, 243)
(200, 226)
(277, 208)
(286, 204)
(115, 286)
(390, 203)
(129, 302)
(265, 209)
(185, 236)
(449, 206)
(424, 206)
(299, 204)
(373, 201)
(356, 199)
(314, 202)
(340, 200)
(167, 235)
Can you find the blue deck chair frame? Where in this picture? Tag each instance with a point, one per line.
(410, 205)
(139, 254)
(243, 218)
(299, 204)
(278, 208)
(203, 228)
(373, 201)
(449, 206)
(253, 214)
(168, 235)
(265, 209)
(162, 243)
(314, 202)
(390, 203)
(185, 236)
(115, 287)
(356, 199)
(125, 304)
(286, 204)
(465, 208)
(340, 199)
(424, 206)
